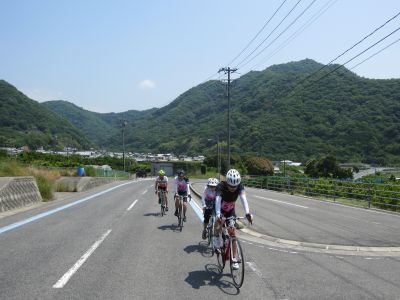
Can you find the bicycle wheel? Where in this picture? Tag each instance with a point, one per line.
(210, 230)
(237, 275)
(221, 259)
(180, 214)
(162, 205)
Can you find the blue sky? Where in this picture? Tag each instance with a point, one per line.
(114, 56)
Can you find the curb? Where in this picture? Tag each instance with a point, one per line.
(342, 249)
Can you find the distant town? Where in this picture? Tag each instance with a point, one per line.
(103, 153)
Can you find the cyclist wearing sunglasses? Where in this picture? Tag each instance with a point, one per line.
(227, 193)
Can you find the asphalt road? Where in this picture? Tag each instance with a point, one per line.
(116, 246)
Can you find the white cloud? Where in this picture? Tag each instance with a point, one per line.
(147, 84)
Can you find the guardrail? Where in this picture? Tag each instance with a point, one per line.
(377, 195)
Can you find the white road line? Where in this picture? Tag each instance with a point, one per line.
(144, 192)
(63, 280)
(252, 266)
(288, 203)
(132, 205)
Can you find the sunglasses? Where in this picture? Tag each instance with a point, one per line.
(232, 187)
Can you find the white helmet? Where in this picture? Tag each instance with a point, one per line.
(212, 182)
(233, 177)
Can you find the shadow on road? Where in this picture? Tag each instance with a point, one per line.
(172, 227)
(157, 214)
(211, 276)
(201, 248)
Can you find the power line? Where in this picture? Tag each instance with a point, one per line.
(287, 27)
(362, 52)
(258, 33)
(323, 67)
(376, 53)
(259, 45)
(359, 42)
(308, 23)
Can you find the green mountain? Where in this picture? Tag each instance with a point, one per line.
(25, 121)
(272, 114)
(275, 113)
(98, 127)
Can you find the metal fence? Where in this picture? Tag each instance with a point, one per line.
(383, 196)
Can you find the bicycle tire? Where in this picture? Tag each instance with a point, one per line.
(163, 204)
(237, 275)
(221, 259)
(210, 230)
(180, 214)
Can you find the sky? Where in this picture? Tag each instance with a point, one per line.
(114, 56)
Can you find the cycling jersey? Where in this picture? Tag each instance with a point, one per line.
(225, 200)
(208, 202)
(208, 198)
(181, 186)
(161, 183)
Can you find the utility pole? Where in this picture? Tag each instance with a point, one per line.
(124, 123)
(228, 71)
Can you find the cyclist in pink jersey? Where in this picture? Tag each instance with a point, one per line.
(208, 203)
(227, 193)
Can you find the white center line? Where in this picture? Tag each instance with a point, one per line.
(288, 203)
(63, 280)
(144, 192)
(132, 205)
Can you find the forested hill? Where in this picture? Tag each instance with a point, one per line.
(98, 127)
(25, 121)
(353, 118)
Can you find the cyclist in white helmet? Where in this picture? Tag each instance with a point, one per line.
(161, 184)
(208, 203)
(227, 193)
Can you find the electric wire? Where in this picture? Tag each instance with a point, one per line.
(263, 41)
(340, 55)
(287, 27)
(376, 53)
(258, 33)
(308, 23)
(354, 57)
(359, 42)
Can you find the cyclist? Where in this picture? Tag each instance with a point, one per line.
(161, 185)
(208, 203)
(227, 193)
(181, 188)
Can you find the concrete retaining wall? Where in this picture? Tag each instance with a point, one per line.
(16, 192)
(80, 184)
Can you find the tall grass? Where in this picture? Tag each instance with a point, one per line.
(45, 179)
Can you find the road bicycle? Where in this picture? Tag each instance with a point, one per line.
(163, 197)
(230, 249)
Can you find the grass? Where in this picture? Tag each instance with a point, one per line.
(45, 179)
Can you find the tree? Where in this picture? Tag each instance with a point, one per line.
(259, 166)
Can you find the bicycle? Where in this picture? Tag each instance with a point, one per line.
(227, 252)
(163, 196)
